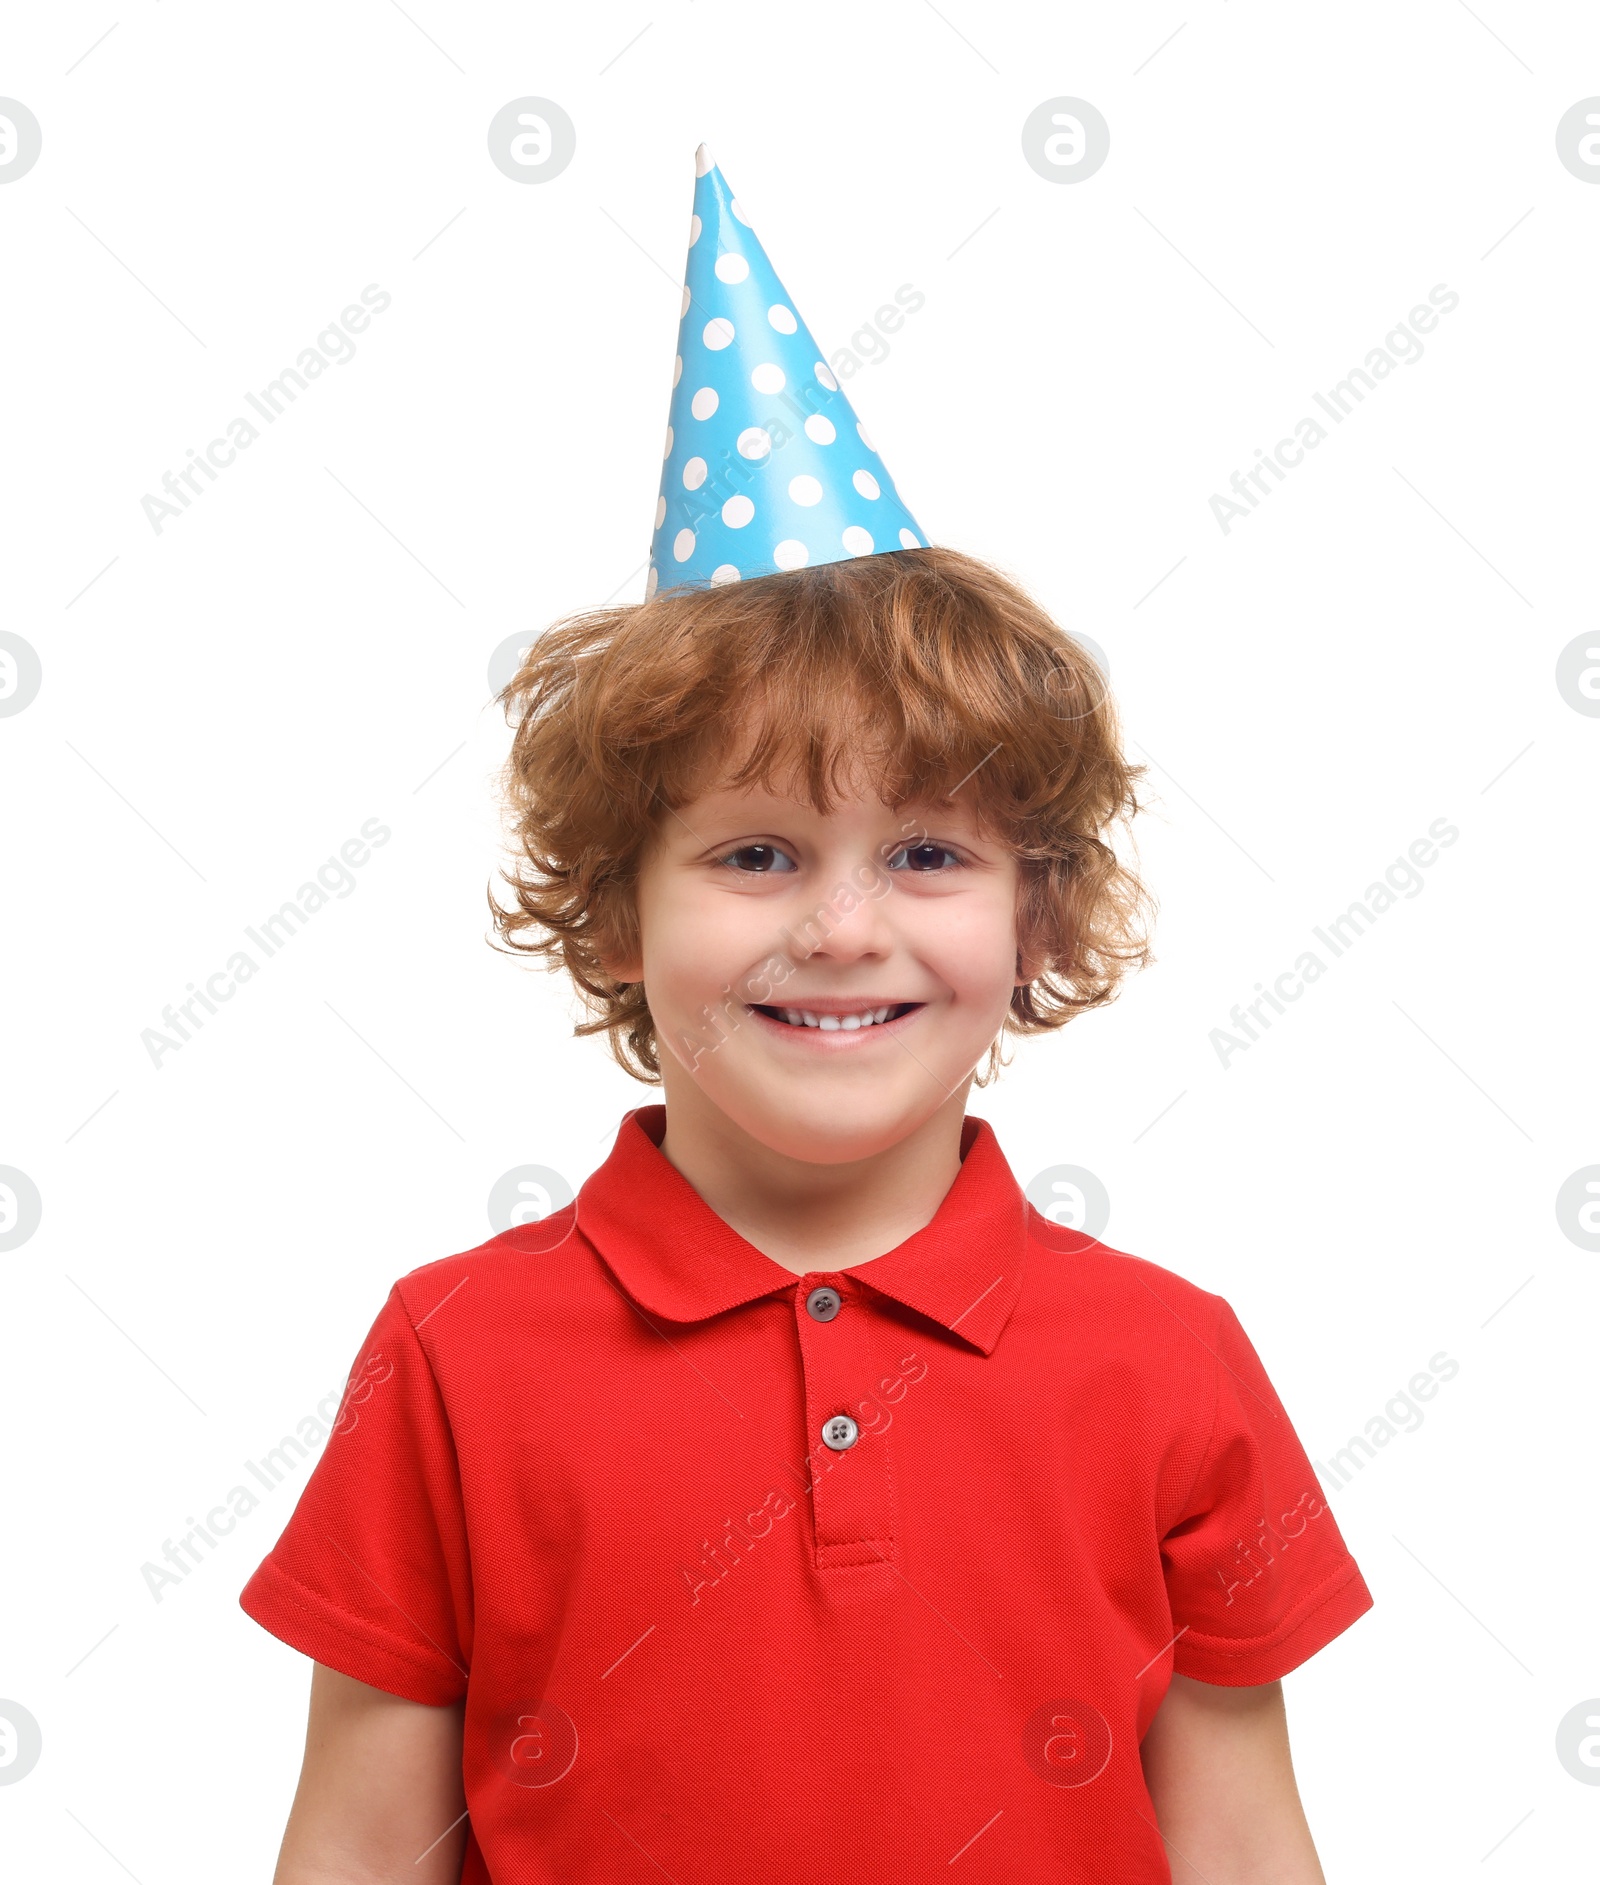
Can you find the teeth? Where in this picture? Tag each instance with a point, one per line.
(831, 1023)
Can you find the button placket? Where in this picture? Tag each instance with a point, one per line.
(852, 1501)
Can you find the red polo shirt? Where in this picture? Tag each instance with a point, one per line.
(877, 1573)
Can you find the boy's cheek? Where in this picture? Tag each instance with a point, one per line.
(758, 990)
(760, 987)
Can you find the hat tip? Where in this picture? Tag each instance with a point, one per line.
(703, 160)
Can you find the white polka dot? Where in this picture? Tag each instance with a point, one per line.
(694, 230)
(737, 512)
(819, 430)
(718, 333)
(755, 441)
(908, 541)
(703, 160)
(666, 450)
(677, 369)
(782, 318)
(651, 582)
(683, 545)
(791, 554)
(732, 268)
(825, 378)
(861, 433)
(865, 483)
(857, 541)
(685, 308)
(805, 489)
(767, 378)
(661, 511)
(738, 209)
(694, 474)
(704, 402)
(725, 573)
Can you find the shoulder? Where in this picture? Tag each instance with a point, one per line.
(532, 1266)
(1136, 1317)
(1072, 1267)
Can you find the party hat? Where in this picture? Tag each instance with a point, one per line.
(767, 466)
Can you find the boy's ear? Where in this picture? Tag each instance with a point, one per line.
(623, 968)
(622, 960)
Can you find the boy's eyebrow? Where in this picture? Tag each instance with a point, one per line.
(674, 813)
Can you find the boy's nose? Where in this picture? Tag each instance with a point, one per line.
(852, 922)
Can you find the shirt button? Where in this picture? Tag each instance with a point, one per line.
(840, 1432)
(822, 1305)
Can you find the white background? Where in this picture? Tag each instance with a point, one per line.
(225, 703)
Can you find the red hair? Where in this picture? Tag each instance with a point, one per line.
(925, 669)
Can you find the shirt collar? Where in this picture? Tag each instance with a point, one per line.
(677, 1259)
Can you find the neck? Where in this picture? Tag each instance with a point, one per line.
(809, 1216)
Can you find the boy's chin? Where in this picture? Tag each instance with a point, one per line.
(819, 1127)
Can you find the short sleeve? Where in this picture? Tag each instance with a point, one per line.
(371, 1573)
(1258, 1576)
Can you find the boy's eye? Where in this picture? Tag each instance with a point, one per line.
(764, 856)
(929, 854)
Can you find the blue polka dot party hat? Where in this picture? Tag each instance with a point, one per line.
(767, 467)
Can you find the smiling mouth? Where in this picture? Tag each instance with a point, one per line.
(835, 1023)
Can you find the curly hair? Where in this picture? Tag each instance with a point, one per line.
(926, 667)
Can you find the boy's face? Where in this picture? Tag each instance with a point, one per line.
(752, 904)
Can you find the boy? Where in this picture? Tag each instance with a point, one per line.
(800, 1504)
